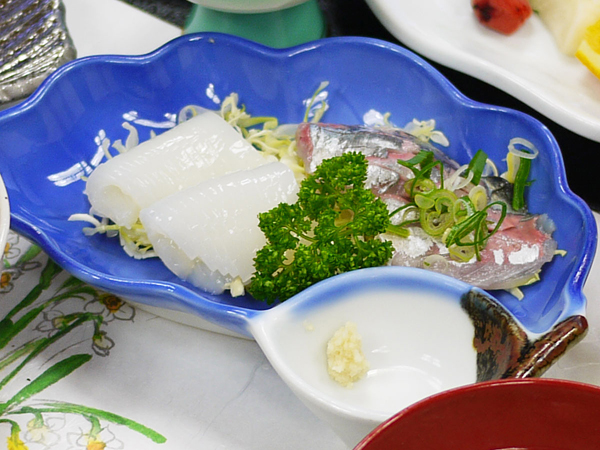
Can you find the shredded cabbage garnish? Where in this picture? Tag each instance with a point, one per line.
(317, 113)
(425, 130)
(132, 139)
(272, 138)
(134, 240)
(517, 292)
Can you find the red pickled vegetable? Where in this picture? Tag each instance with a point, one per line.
(504, 16)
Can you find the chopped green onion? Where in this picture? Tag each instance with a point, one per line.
(461, 253)
(436, 213)
(426, 160)
(530, 152)
(462, 209)
(399, 230)
(475, 228)
(435, 223)
(478, 197)
(419, 186)
(422, 158)
(477, 165)
(520, 184)
(402, 208)
(424, 201)
(462, 223)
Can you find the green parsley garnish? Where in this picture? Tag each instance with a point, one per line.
(331, 229)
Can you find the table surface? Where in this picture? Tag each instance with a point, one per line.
(140, 381)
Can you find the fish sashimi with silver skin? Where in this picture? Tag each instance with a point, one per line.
(382, 149)
(512, 257)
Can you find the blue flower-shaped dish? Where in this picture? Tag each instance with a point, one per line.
(49, 141)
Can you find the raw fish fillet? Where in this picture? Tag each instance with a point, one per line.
(201, 148)
(382, 148)
(511, 257)
(208, 234)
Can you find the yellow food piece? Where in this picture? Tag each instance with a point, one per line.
(589, 49)
(567, 20)
(512, 164)
(346, 362)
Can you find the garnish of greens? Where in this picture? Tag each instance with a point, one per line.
(521, 152)
(461, 223)
(337, 223)
(332, 228)
(272, 138)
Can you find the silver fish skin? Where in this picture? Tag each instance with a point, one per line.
(511, 257)
(383, 147)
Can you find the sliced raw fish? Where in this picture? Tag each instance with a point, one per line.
(208, 234)
(203, 147)
(383, 147)
(512, 256)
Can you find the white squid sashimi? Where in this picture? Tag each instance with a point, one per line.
(208, 234)
(203, 147)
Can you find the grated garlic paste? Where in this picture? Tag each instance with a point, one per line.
(346, 362)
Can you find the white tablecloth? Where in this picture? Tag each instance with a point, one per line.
(198, 389)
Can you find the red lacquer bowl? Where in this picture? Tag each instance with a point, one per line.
(521, 414)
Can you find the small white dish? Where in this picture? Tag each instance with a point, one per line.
(527, 64)
(422, 333)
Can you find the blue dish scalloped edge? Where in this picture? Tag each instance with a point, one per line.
(55, 129)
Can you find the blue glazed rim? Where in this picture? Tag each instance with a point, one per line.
(230, 313)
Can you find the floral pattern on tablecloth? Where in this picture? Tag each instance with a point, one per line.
(51, 324)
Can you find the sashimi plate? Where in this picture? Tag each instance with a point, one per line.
(50, 142)
(527, 64)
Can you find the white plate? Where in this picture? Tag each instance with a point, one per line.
(527, 64)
